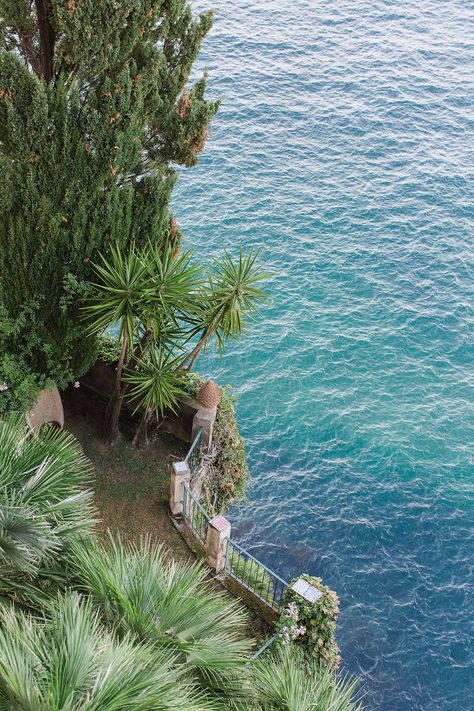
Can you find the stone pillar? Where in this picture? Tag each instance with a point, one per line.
(204, 418)
(180, 475)
(218, 531)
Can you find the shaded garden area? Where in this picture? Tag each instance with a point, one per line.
(131, 488)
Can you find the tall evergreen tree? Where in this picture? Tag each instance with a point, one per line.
(94, 115)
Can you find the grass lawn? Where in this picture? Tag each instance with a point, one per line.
(131, 487)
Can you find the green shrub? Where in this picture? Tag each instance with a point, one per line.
(311, 625)
(19, 386)
(108, 348)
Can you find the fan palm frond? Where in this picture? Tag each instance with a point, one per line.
(285, 681)
(67, 661)
(171, 604)
(43, 501)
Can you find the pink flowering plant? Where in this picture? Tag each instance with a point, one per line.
(311, 626)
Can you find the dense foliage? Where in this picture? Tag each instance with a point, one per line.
(94, 114)
(284, 680)
(23, 385)
(227, 474)
(311, 626)
(67, 660)
(167, 603)
(119, 626)
(44, 506)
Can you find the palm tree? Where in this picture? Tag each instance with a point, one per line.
(155, 385)
(65, 660)
(170, 604)
(143, 292)
(285, 681)
(118, 300)
(43, 503)
(232, 297)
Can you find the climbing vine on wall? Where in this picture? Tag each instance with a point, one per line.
(227, 473)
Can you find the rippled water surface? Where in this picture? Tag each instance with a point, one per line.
(344, 149)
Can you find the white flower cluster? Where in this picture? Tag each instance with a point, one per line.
(297, 631)
(292, 631)
(292, 611)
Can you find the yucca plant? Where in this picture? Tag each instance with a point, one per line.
(155, 385)
(162, 302)
(170, 604)
(231, 298)
(284, 680)
(144, 293)
(44, 505)
(65, 660)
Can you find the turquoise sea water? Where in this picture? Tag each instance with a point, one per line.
(344, 149)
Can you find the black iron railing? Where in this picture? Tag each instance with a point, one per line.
(254, 575)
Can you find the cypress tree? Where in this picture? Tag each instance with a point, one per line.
(95, 114)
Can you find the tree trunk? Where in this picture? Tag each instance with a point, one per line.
(47, 39)
(193, 355)
(112, 419)
(112, 414)
(114, 408)
(140, 441)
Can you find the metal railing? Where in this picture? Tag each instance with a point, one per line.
(254, 575)
(263, 648)
(195, 515)
(193, 457)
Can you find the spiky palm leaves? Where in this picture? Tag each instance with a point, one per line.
(162, 301)
(145, 293)
(285, 681)
(67, 661)
(43, 504)
(169, 604)
(230, 298)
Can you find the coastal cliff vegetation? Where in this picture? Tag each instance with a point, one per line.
(97, 113)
